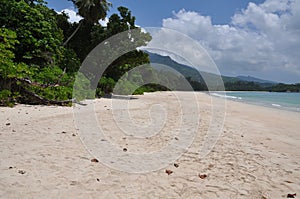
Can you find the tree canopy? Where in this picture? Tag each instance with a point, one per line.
(92, 10)
(37, 68)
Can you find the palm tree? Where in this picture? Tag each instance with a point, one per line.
(92, 11)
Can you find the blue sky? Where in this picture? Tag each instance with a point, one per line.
(260, 38)
(151, 13)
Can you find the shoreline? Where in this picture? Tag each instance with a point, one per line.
(275, 105)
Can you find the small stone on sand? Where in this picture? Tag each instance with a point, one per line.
(202, 176)
(291, 195)
(22, 172)
(169, 172)
(73, 183)
(94, 160)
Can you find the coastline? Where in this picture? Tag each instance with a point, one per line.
(238, 97)
(257, 154)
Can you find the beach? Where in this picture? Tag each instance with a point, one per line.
(256, 154)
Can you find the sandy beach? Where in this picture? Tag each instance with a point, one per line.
(257, 154)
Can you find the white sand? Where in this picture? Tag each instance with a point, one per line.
(256, 156)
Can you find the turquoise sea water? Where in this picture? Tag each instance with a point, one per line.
(287, 101)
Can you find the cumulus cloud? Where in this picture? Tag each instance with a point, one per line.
(184, 50)
(261, 39)
(104, 22)
(73, 17)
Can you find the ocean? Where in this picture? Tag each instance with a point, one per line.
(286, 101)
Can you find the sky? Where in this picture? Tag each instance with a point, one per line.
(260, 38)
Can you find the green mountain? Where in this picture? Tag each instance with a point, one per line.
(194, 75)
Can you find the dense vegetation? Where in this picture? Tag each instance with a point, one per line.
(41, 51)
(284, 88)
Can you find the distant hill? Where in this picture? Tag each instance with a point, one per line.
(190, 72)
(254, 79)
(186, 71)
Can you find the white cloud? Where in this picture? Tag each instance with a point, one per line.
(184, 50)
(104, 22)
(73, 17)
(259, 40)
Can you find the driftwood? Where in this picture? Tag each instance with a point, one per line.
(29, 82)
(27, 96)
(33, 98)
(45, 101)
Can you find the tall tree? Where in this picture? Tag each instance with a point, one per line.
(119, 23)
(92, 10)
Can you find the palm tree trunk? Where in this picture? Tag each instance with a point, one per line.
(74, 33)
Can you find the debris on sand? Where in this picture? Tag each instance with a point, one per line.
(202, 176)
(291, 195)
(94, 160)
(22, 172)
(169, 172)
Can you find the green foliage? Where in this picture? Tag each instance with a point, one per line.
(69, 61)
(7, 98)
(121, 23)
(7, 42)
(125, 87)
(82, 43)
(117, 24)
(30, 33)
(8, 69)
(242, 86)
(82, 88)
(36, 29)
(125, 63)
(106, 85)
(285, 88)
